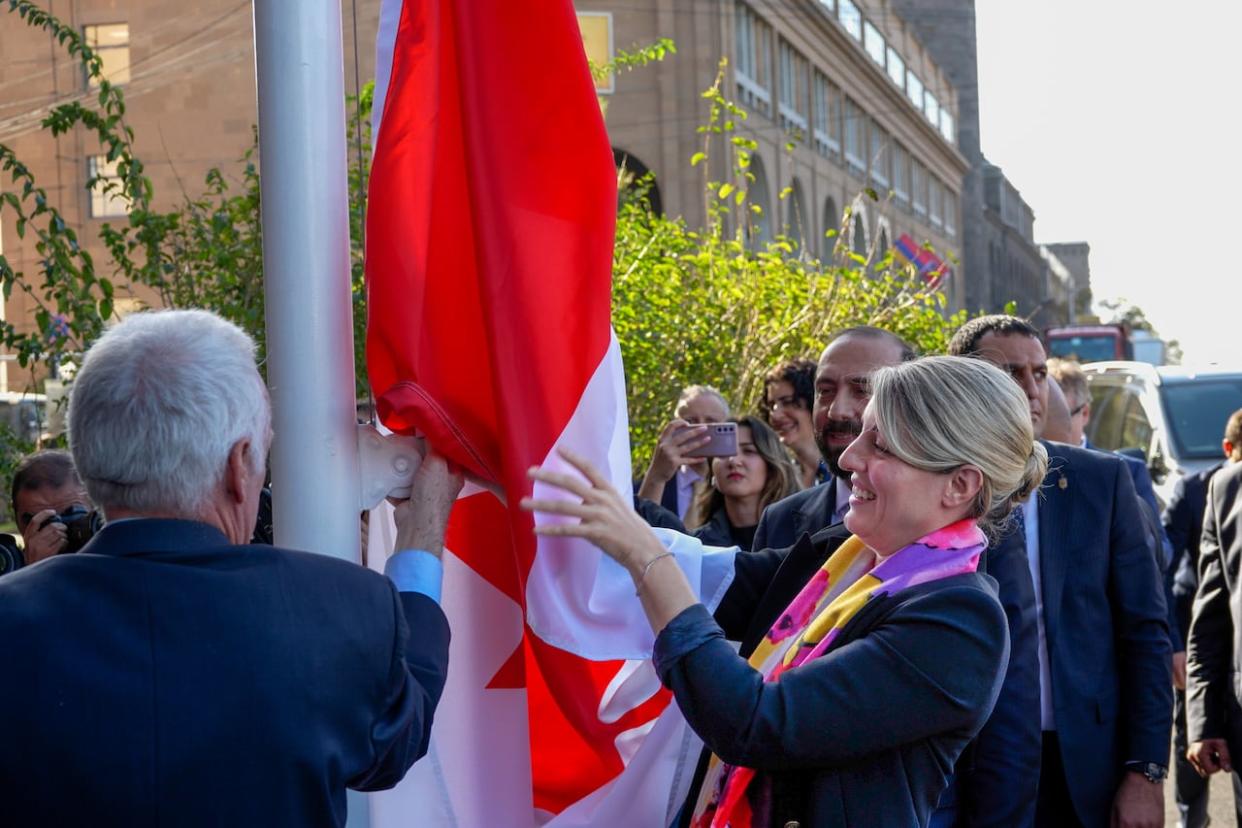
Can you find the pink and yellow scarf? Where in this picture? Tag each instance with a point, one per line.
(812, 622)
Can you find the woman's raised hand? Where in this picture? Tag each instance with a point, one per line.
(605, 518)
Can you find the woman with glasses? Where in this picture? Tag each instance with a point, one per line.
(788, 393)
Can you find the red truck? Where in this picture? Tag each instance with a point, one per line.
(1089, 343)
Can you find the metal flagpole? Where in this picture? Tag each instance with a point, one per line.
(305, 197)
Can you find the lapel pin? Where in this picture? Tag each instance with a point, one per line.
(1063, 484)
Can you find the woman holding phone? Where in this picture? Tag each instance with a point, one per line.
(855, 704)
(739, 487)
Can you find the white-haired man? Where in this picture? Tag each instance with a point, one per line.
(172, 675)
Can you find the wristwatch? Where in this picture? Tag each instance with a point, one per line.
(1154, 773)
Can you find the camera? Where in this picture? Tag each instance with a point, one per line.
(10, 556)
(80, 525)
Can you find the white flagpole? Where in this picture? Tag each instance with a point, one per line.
(305, 198)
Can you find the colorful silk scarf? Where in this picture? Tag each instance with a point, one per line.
(809, 626)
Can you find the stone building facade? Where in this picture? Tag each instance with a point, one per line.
(188, 76)
(847, 82)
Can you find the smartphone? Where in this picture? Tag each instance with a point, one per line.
(723, 441)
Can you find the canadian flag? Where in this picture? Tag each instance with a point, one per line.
(491, 214)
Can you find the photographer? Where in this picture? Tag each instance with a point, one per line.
(51, 506)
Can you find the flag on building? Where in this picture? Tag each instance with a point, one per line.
(490, 225)
(931, 267)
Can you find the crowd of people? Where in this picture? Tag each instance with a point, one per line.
(947, 607)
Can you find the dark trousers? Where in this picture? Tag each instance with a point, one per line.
(1054, 808)
(1189, 788)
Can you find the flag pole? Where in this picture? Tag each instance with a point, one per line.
(305, 203)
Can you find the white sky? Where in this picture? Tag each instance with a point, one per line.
(1118, 122)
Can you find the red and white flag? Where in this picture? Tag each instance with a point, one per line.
(489, 253)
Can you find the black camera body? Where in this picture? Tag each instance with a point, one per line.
(80, 524)
(11, 558)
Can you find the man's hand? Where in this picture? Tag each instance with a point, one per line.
(421, 519)
(677, 438)
(43, 542)
(1139, 803)
(1209, 756)
(1179, 670)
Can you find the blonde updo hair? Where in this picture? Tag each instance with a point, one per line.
(939, 413)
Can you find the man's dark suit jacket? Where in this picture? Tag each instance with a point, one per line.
(1106, 626)
(163, 677)
(802, 513)
(867, 733)
(1183, 523)
(1214, 646)
(996, 780)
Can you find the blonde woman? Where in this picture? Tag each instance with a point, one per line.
(857, 702)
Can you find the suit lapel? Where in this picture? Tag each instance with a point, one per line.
(1055, 518)
(816, 513)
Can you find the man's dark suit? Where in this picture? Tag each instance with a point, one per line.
(1214, 646)
(1183, 524)
(1106, 627)
(997, 777)
(802, 513)
(164, 677)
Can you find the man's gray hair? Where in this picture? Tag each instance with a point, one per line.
(156, 407)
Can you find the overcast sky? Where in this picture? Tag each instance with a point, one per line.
(1118, 124)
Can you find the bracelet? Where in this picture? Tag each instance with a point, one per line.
(638, 586)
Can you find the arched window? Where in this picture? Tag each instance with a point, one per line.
(758, 194)
(858, 229)
(634, 179)
(797, 219)
(830, 220)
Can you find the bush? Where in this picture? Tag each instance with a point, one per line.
(708, 306)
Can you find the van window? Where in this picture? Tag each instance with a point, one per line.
(1107, 411)
(1197, 411)
(1135, 427)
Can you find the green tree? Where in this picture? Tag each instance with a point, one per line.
(714, 306)
(689, 305)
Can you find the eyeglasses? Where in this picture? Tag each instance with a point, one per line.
(789, 401)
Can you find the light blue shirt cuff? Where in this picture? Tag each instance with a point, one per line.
(413, 570)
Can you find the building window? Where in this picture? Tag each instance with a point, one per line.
(901, 173)
(914, 90)
(850, 17)
(829, 5)
(754, 51)
(827, 112)
(896, 68)
(110, 41)
(796, 220)
(918, 187)
(830, 219)
(950, 213)
(106, 198)
(874, 43)
(758, 195)
(858, 230)
(792, 78)
(947, 127)
(931, 108)
(933, 199)
(879, 156)
(854, 128)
